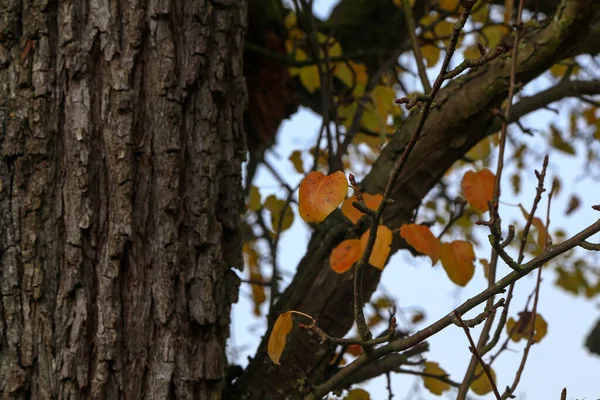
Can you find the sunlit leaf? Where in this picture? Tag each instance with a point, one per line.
(352, 213)
(434, 385)
(296, 159)
(478, 188)
(482, 384)
(278, 337)
(344, 255)
(382, 247)
(320, 194)
(422, 240)
(457, 258)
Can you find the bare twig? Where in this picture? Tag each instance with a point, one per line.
(414, 41)
(476, 354)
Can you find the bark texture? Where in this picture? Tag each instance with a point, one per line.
(121, 145)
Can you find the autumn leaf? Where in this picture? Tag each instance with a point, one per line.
(434, 385)
(278, 337)
(431, 54)
(309, 74)
(296, 159)
(478, 188)
(422, 240)
(480, 151)
(355, 349)
(449, 5)
(353, 75)
(352, 213)
(539, 225)
(280, 213)
(482, 384)
(521, 329)
(559, 143)
(254, 199)
(574, 204)
(344, 255)
(457, 258)
(320, 194)
(381, 249)
(258, 292)
(357, 394)
(494, 34)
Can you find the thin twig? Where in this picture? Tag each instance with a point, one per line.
(410, 24)
(476, 354)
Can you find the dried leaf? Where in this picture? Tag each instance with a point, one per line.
(320, 194)
(457, 258)
(382, 247)
(278, 337)
(559, 143)
(434, 385)
(344, 255)
(422, 240)
(574, 204)
(478, 188)
(371, 200)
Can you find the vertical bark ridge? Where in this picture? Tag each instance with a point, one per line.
(121, 142)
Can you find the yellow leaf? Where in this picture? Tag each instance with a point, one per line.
(481, 11)
(371, 200)
(290, 20)
(472, 53)
(309, 75)
(422, 240)
(482, 384)
(254, 199)
(559, 70)
(278, 337)
(494, 34)
(353, 75)
(258, 291)
(435, 385)
(449, 5)
(431, 54)
(486, 267)
(320, 194)
(457, 259)
(480, 151)
(559, 143)
(357, 394)
(478, 188)
(521, 329)
(382, 247)
(296, 159)
(344, 255)
(276, 207)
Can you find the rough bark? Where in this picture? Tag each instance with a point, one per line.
(120, 193)
(462, 117)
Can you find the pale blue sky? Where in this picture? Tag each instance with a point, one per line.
(560, 360)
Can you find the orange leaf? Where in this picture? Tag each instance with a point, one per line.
(355, 349)
(457, 258)
(478, 188)
(371, 200)
(278, 337)
(522, 328)
(321, 194)
(344, 255)
(381, 249)
(422, 240)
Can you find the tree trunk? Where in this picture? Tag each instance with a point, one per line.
(120, 193)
